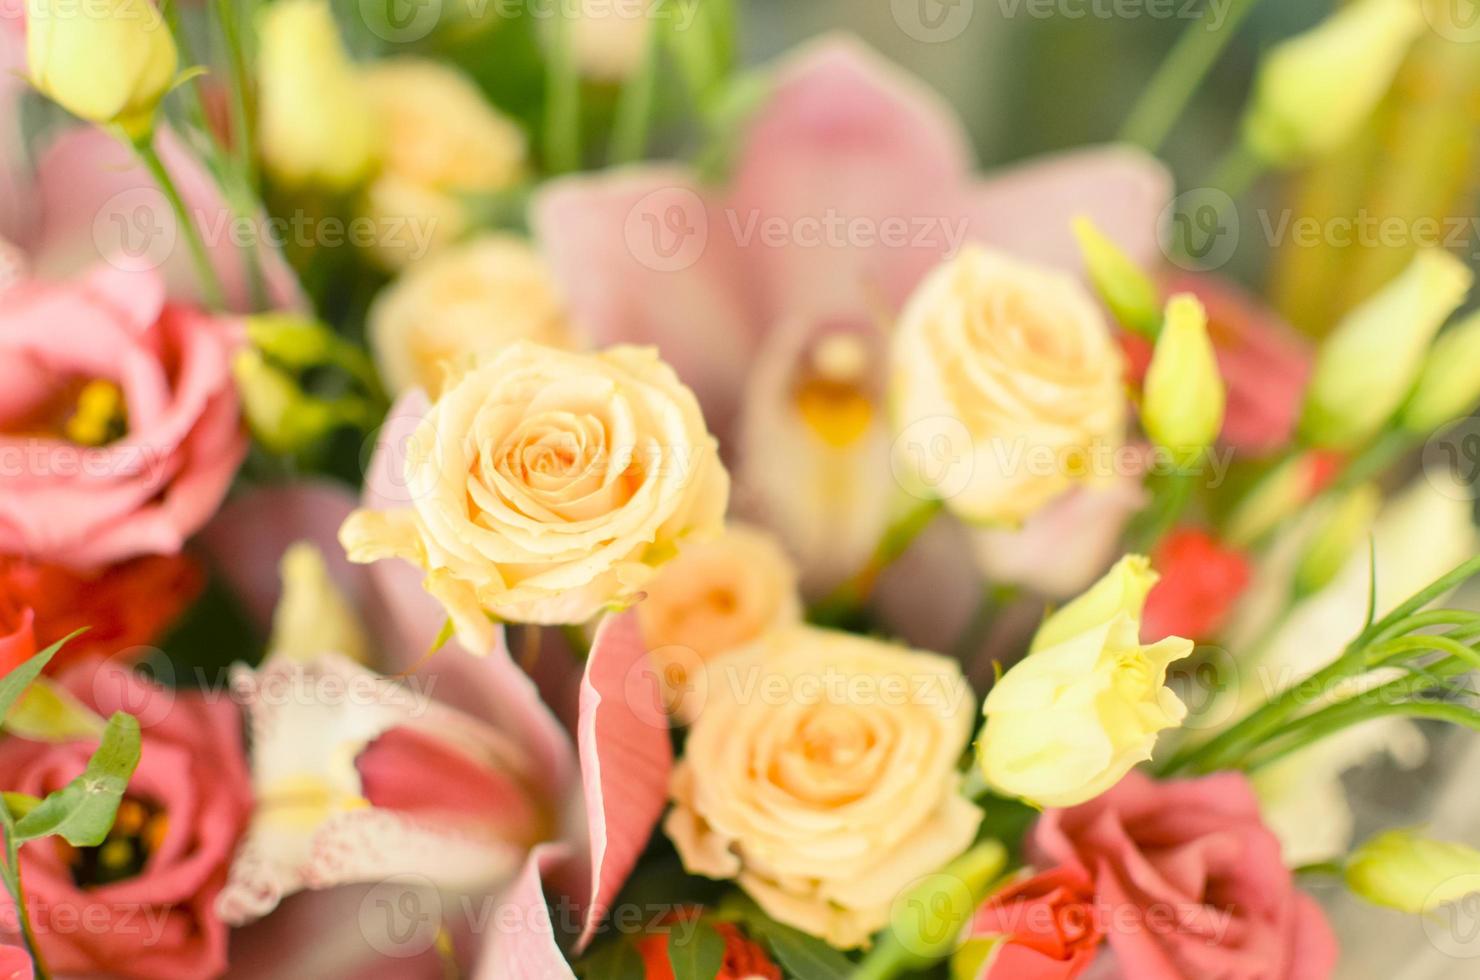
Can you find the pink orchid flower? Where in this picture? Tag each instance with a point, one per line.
(603, 789)
(772, 294)
(89, 200)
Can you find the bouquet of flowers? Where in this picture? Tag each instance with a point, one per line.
(439, 540)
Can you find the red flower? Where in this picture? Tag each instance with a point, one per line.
(744, 959)
(1188, 881)
(1051, 927)
(1200, 581)
(124, 605)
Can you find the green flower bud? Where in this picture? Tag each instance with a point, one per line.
(926, 920)
(1182, 409)
(1339, 533)
(280, 415)
(1403, 871)
(1448, 385)
(1121, 284)
(1313, 90)
(1367, 367)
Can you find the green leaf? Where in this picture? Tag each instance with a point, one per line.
(82, 812)
(697, 953)
(49, 713)
(800, 955)
(614, 961)
(15, 682)
(19, 804)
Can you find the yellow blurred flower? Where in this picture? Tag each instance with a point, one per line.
(315, 125)
(109, 64)
(1005, 374)
(821, 777)
(313, 616)
(442, 139)
(608, 38)
(547, 486)
(1086, 704)
(443, 316)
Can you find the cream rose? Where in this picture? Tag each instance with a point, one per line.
(1085, 706)
(716, 596)
(446, 314)
(547, 485)
(1006, 386)
(441, 139)
(821, 776)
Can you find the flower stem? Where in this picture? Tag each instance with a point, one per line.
(210, 284)
(1170, 89)
(11, 874)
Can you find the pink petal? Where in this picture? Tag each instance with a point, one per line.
(528, 952)
(847, 136)
(94, 194)
(625, 760)
(642, 257)
(247, 539)
(1027, 210)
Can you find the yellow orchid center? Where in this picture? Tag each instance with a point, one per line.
(831, 396)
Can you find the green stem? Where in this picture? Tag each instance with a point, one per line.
(11, 874)
(244, 128)
(562, 100)
(1172, 87)
(635, 105)
(210, 284)
(1329, 721)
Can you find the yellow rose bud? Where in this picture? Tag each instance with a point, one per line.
(1314, 90)
(109, 64)
(608, 38)
(1367, 367)
(1448, 385)
(1184, 396)
(1131, 297)
(1336, 538)
(1086, 705)
(1403, 871)
(446, 314)
(316, 124)
(313, 616)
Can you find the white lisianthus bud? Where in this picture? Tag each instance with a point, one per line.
(1403, 871)
(1367, 367)
(1184, 393)
(1313, 91)
(1448, 385)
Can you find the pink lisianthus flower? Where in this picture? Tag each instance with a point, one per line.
(15, 964)
(1189, 882)
(1044, 927)
(773, 294)
(119, 419)
(142, 904)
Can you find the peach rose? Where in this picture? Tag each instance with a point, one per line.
(547, 485)
(821, 776)
(716, 596)
(1007, 387)
(446, 313)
